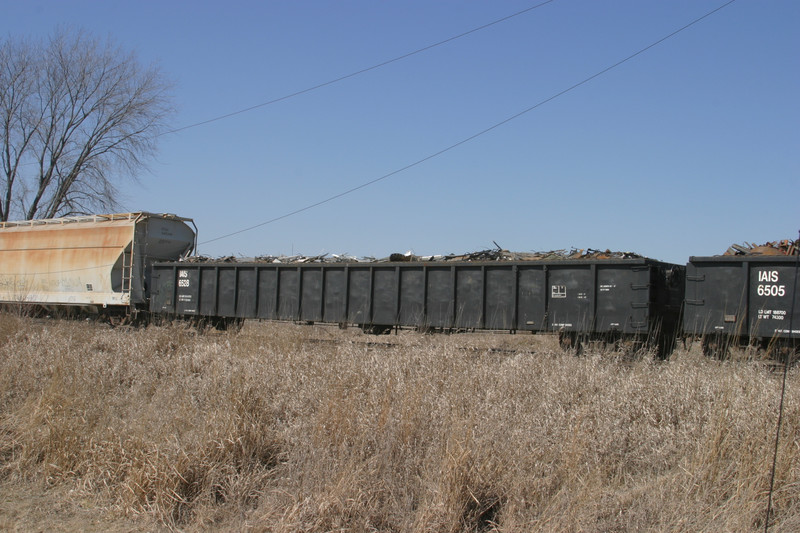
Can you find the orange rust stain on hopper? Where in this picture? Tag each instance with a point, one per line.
(37, 261)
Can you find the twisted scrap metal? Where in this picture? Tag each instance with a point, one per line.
(784, 247)
(494, 254)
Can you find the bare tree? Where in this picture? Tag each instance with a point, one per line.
(76, 114)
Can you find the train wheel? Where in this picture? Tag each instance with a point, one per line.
(716, 345)
(377, 329)
(783, 351)
(221, 323)
(234, 325)
(631, 348)
(664, 347)
(570, 342)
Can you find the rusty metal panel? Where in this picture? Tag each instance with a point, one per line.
(91, 260)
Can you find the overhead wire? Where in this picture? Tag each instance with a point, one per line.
(359, 72)
(474, 135)
(352, 74)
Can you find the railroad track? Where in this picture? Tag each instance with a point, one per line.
(390, 344)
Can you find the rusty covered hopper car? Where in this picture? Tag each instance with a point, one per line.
(90, 262)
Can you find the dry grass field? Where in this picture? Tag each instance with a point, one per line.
(283, 428)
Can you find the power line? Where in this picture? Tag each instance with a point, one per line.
(358, 72)
(351, 75)
(475, 135)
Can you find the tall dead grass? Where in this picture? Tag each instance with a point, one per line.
(273, 429)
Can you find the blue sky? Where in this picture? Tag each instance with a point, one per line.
(685, 149)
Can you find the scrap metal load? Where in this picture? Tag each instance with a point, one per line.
(495, 254)
(784, 247)
(499, 254)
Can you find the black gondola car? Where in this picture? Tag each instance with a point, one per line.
(741, 300)
(635, 299)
